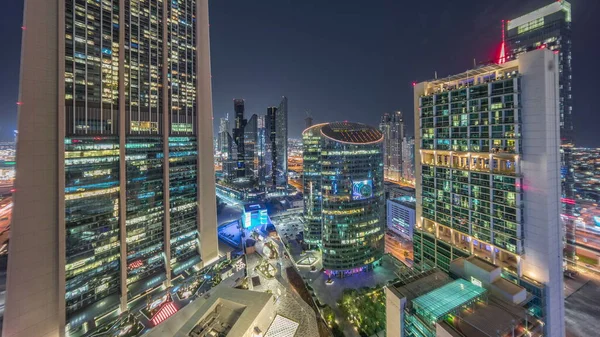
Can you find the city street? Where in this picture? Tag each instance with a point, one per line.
(5, 218)
(582, 307)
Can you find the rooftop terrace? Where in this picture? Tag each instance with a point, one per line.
(447, 299)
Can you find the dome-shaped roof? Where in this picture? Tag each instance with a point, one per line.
(349, 132)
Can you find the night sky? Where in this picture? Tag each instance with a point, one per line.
(347, 59)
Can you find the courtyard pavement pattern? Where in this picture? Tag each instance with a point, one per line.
(288, 303)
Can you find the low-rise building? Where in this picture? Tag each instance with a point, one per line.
(477, 303)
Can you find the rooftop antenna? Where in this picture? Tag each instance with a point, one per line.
(308, 119)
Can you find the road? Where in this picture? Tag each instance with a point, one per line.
(5, 218)
(582, 308)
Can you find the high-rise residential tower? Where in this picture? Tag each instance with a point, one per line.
(343, 195)
(488, 175)
(550, 28)
(115, 190)
(392, 127)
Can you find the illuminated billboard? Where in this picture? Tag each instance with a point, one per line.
(362, 189)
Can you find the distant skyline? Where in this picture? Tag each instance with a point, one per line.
(344, 60)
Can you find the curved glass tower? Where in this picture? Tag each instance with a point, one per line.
(343, 195)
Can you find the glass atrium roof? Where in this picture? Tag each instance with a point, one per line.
(438, 303)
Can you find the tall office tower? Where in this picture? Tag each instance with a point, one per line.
(280, 154)
(277, 145)
(261, 148)
(343, 195)
(115, 189)
(270, 146)
(238, 136)
(550, 28)
(488, 175)
(392, 127)
(250, 147)
(408, 159)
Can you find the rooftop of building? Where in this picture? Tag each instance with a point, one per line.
(556, 6)
(420, 283)
(482, 74)
(405, 200)
(282, 327)
(496, 318)
(436, 304)
(228, 311)
(481, 263)
(254, 207)
(433, 295)
(350, 132)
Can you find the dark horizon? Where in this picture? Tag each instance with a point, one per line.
(342, 60)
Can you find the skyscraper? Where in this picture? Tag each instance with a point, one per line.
(343, 195)
(488, 176)
(277, 131)
(115, 189)
(270, 146)
(261, 149)
(222, 136)
(550, 28)
(408, 159)
(238, 136)
(250, 147)
(280, 154)
(392, 127)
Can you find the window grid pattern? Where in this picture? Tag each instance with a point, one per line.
(91, 220)
(470, 180)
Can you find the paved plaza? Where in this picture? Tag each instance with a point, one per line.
(287, 302)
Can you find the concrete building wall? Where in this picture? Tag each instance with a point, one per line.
(207, 211)
(394, 313)
(32, 298)
(540, 165)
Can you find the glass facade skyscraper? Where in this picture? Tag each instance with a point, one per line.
(392, 127)
(550, 28)
(276, 147)
(238, 137)
(488, 178)
(343, 195)
(122, 146)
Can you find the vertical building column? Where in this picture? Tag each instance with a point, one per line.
(166, 128)
(207, 210)
(122, 163)
(61, 132)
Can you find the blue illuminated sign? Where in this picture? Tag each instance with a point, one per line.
(362, 189)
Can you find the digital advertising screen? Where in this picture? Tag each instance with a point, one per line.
(362, 189)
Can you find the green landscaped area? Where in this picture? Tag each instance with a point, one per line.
(365, 309)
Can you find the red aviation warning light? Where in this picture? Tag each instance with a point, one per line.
(502, 57)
